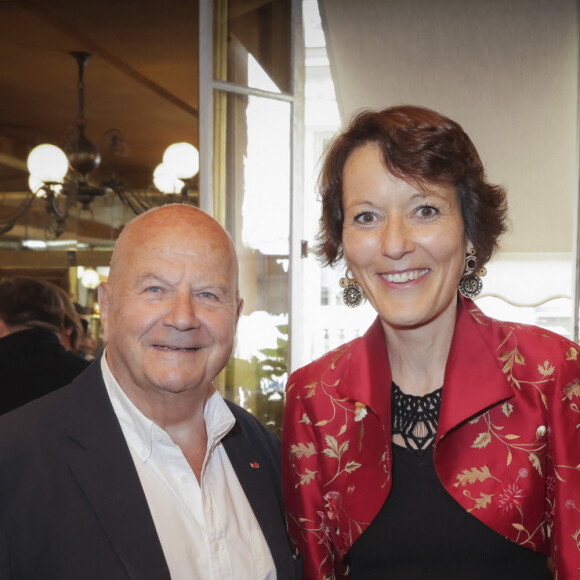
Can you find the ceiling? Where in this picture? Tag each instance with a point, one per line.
(141, 80)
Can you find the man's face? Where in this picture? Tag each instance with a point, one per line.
(170, 309)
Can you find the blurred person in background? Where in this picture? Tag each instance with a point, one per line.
(87, 346)
(33, 361)
(72, 327)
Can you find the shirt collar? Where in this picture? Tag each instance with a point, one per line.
(141, 432)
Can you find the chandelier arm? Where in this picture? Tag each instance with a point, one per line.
(133, 200)
(113, 139)
(7, 223)
(135, 203)
(53, 206)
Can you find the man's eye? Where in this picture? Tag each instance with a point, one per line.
(365, 217)
(208, 295)
(153, 289)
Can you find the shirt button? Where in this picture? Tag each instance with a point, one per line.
(184, 478)
(158, 436)
(216, 547)
(143, 453)
(540, 431)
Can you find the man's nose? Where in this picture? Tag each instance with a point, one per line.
(182, 312)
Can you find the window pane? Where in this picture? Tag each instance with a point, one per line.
(261, 30)
(257, 193)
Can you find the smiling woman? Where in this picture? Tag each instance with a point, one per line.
(430, 447)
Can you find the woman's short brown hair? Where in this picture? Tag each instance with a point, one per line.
(421, 146)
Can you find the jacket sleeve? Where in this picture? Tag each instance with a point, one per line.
(563, 468)
(306, 507)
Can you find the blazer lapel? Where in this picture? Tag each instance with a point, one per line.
(471, 362)
(260, 481)
(101, 463)
(367, 379)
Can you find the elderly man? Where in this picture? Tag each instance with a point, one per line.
(139, 469)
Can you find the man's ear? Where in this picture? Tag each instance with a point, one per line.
(104, 304)
(239, 309)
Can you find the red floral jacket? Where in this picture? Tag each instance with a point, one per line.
(507, 445)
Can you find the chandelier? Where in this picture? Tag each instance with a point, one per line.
(62, 178)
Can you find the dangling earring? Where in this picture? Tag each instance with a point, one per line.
(352, 294)
(471, 284)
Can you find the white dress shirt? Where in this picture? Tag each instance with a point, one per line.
(207, 529)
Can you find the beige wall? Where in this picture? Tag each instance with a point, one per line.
(505, 69)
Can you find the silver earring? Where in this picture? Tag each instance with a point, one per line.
(471, 284)
(352, 294)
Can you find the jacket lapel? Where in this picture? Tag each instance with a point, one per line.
(259, 482)
(102, 464)
(471, 360)
(368, 378)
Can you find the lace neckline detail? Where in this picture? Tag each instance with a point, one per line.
(415, 418)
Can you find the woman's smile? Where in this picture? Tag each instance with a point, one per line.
(404, 276)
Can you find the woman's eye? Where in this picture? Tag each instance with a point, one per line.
(366, 217)
(427, 211)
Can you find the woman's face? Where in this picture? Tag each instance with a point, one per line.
(404, 244)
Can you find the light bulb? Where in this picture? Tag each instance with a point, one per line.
(166, 181)
(182, 159)
(90, 278)
(37, 186)
(47, 163)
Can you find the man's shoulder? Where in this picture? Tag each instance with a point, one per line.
(245, 417)
(250, 426)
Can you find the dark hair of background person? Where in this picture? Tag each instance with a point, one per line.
(25, 301)
(72, 326)
(87, 346)
(419, 146)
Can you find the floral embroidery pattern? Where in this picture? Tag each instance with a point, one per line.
(509, 441)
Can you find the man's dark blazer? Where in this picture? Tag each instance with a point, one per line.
(71, 503)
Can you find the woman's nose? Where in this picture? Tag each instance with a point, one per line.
(182, 312)
(397, 238)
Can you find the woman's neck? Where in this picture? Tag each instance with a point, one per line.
(418, 355)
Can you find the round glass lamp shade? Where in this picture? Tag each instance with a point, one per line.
(166, 181)
(35, 185)
(47, 163)
(90, 279)
(182, 160)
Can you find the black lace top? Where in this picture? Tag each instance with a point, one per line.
(415, 418)
(421, 532)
